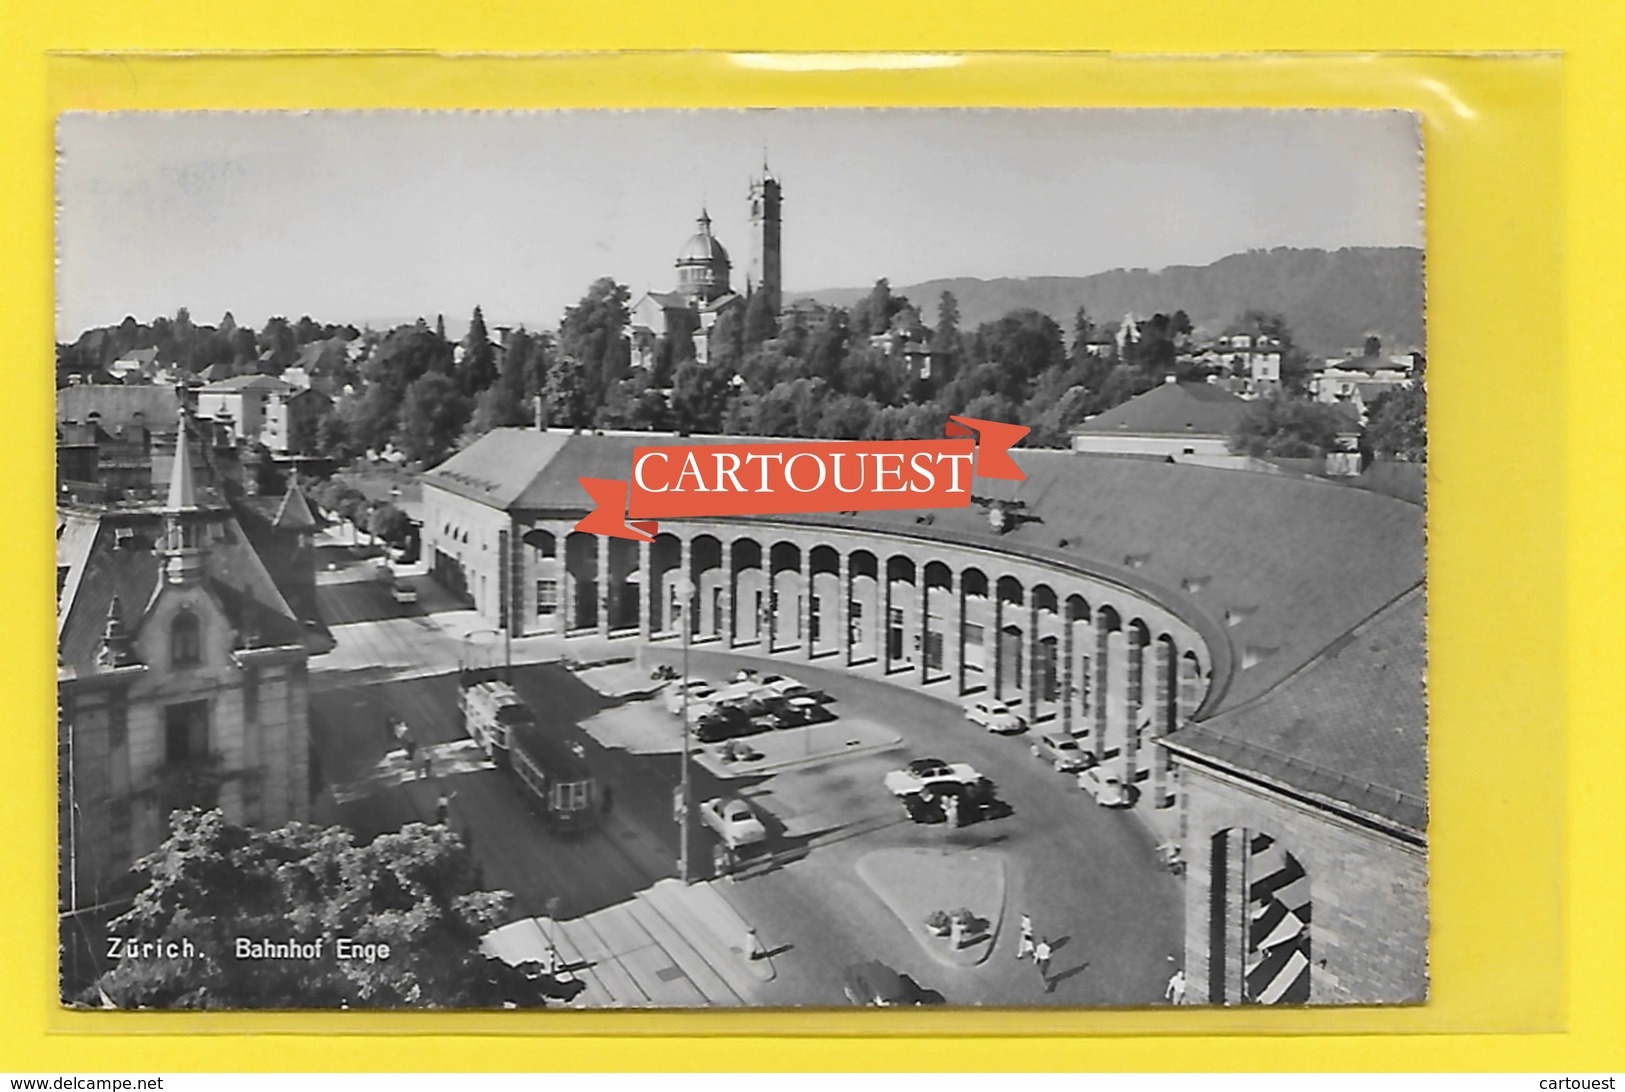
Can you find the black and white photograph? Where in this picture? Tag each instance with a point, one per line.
(351, 715)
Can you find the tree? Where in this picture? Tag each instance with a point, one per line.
(565, 398)
(945, 339)
(1397, 424)
(278, 340)
(415, 890)
(390, 524)
(593, 333)
(1373, 345)
(1288, 428)
(700, 393)
(432, 415)
(479, 367)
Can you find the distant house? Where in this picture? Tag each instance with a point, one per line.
(1170, 421)
(1357, 381)
(135, 366)
(263, 409)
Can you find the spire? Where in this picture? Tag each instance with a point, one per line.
(182, 493)
(704, 221)
(115, 648)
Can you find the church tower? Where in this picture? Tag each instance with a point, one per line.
(766, 273)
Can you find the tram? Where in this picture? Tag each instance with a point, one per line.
(555, 774)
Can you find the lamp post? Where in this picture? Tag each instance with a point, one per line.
(685, 595)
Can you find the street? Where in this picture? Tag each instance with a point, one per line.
(1088, 876)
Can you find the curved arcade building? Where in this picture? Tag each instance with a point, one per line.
(1245, 647)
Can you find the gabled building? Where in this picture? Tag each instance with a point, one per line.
(264, 409)
(181, 680)
(1168, 421)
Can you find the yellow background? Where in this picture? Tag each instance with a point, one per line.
(1526, 833)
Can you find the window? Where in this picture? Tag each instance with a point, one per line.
(547, 597)
(185, 645)
(186, 731)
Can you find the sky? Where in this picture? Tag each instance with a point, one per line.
(372, 216)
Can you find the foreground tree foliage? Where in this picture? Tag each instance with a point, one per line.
(416, 890)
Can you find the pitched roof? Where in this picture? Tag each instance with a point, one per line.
(294, 514)
(1182, 409)
(1350, 726)
(118, 405)
(112, 554)
(1271, 568)
(498, 467)
(249, 382)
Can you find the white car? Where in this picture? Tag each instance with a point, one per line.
(923, 772)
(1061, 751)
(733, 820)
(700, 692)
(1106, 785)
(403, 592)
(783, 686)
(995, 716)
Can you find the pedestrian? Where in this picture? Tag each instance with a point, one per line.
(1041, 954)
(425, 763)
(753, 946)
(1024, 946)
(607, 798)
(442, 807)
(1175, 993)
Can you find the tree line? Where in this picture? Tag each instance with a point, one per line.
(876, 370)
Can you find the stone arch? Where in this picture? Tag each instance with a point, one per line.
(665, 570)
(823, 615)
(624, 583)
(939, 652)
(785, 595)
(581, 580)
(1075, 660)
(901, 591)
(745, 623)
(710, 586)
(976, 639)
(863, 618)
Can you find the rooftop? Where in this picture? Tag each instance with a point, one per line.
(247, 383)
(118, 405)
(1172, 409)
(1271, 568)
(1350, 726)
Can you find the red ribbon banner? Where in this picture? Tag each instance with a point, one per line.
(680, 480)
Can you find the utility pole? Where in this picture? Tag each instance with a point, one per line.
(685, 593)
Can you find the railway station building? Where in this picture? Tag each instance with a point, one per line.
(1213, 633)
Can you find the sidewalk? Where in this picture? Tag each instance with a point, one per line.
(671, 946)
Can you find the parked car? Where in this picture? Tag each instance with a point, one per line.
(1061, 751)
(784, 686)
(790, 712)
(733, 820)
(875, 984)
(403, 592)
(995, 716)
(722, 722)
(1106, 785)
(699, 691)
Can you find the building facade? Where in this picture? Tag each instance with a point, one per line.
(181, 682)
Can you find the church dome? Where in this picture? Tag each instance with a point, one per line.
(702, 246)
